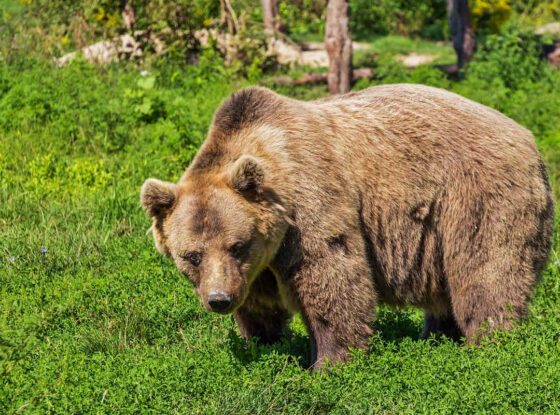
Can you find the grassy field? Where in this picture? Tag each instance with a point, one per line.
(94, 320)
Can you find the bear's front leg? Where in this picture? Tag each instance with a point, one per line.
(262, 314)
(337, 301)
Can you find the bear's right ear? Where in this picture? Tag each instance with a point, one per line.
(158, 197)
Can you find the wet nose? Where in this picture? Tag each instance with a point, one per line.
(219, 301)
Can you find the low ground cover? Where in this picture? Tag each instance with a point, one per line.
(92, 319)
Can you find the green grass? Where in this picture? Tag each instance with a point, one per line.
(101, 323)
(389, 47)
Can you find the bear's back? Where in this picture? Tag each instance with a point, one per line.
(443, 113)
(413, 129)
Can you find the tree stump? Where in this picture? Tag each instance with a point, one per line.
(338, 44)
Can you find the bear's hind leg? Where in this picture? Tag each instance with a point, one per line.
(480, 310)
(494, 249)
(491, 289)
(262, 314)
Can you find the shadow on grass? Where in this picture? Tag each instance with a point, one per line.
(396, 326)
(295, 345)
(392, 326)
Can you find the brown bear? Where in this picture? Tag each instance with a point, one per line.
(398, 194)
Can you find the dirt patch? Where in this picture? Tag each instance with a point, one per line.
(413, 60)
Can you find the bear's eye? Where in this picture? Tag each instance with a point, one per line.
(238, 249)
(194, 257)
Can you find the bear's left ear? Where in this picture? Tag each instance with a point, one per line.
(247, 175)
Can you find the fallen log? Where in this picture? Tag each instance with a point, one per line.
(124, 46)
(316, 78)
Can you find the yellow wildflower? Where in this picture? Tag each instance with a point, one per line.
(492, 13)
(99, 15)
(112, 20)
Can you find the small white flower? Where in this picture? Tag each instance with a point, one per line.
(144, 73)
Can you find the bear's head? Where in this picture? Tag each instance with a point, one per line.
(220, 228)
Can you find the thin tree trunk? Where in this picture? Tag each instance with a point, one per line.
(271, 18)
(338, 43)
(228, 16)
(128, 16)
(462, 33)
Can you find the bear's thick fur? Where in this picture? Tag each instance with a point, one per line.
(398, 194)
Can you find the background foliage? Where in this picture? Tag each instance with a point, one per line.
(54, 27)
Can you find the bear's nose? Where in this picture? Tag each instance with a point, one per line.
(219, 301)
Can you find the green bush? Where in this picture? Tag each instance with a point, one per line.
(426, 18)
(536, 12)
(52, 28)
(404, 17)
(303, 17)
(489, 15)
(512, 58)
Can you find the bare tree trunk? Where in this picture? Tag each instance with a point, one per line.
(338, 43)
(228, 16)
(271, 18)
(462, 33)
(128, 16)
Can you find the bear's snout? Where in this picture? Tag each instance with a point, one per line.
(220, 302)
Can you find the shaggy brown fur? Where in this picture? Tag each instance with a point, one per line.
(398, 194)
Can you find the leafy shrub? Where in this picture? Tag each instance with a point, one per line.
(404, 17)
(536, 12)
(511, 58)
(367, 18)
(489, 15)
(302, 17)
(51, 28)
(104, 16)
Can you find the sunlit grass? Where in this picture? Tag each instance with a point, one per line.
(100, 322)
